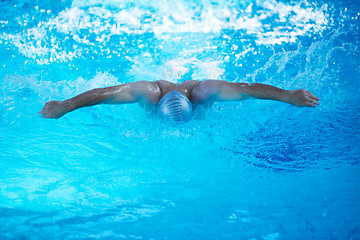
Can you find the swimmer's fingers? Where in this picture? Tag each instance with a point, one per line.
(42, 114)
(52, 109)
(312, 103)
(44, 110)
(303, 98)
(311, 96)
(312, 100)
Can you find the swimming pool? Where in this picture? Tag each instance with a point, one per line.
(248, 170)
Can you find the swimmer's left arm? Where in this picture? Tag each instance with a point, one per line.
(298, 97)
(215, 90)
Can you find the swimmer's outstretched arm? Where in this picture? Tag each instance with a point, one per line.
(215, 90)
(143, 91)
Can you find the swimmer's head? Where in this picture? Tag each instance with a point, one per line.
(174, 106)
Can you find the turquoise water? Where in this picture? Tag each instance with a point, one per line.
(248, 170)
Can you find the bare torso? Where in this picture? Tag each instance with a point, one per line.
(162, 87)
(185, 87)
(202, 93)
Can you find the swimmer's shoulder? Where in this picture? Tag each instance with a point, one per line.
(163, 83)
(202, 91)
(190, 84)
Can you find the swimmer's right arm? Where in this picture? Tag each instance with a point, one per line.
(142, 91)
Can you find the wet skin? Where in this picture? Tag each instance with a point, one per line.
(198, 92)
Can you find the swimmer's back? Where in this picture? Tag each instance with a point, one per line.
(185, 87)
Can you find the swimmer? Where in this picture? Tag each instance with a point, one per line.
(175, 101)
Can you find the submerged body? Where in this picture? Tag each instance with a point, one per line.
(197, 92)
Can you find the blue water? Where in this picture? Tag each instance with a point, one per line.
(248, 170)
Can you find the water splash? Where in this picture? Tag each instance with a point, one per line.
(92, 28)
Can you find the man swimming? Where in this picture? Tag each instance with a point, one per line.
(174, 101)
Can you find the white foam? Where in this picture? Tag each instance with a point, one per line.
(271, 23)
(176, 68)
(209, 70)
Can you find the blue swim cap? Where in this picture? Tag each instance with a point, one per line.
(174, 106)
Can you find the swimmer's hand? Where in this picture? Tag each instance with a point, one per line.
(53, 109)
(302, 98)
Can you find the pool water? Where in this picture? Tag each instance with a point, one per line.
(247, 170)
